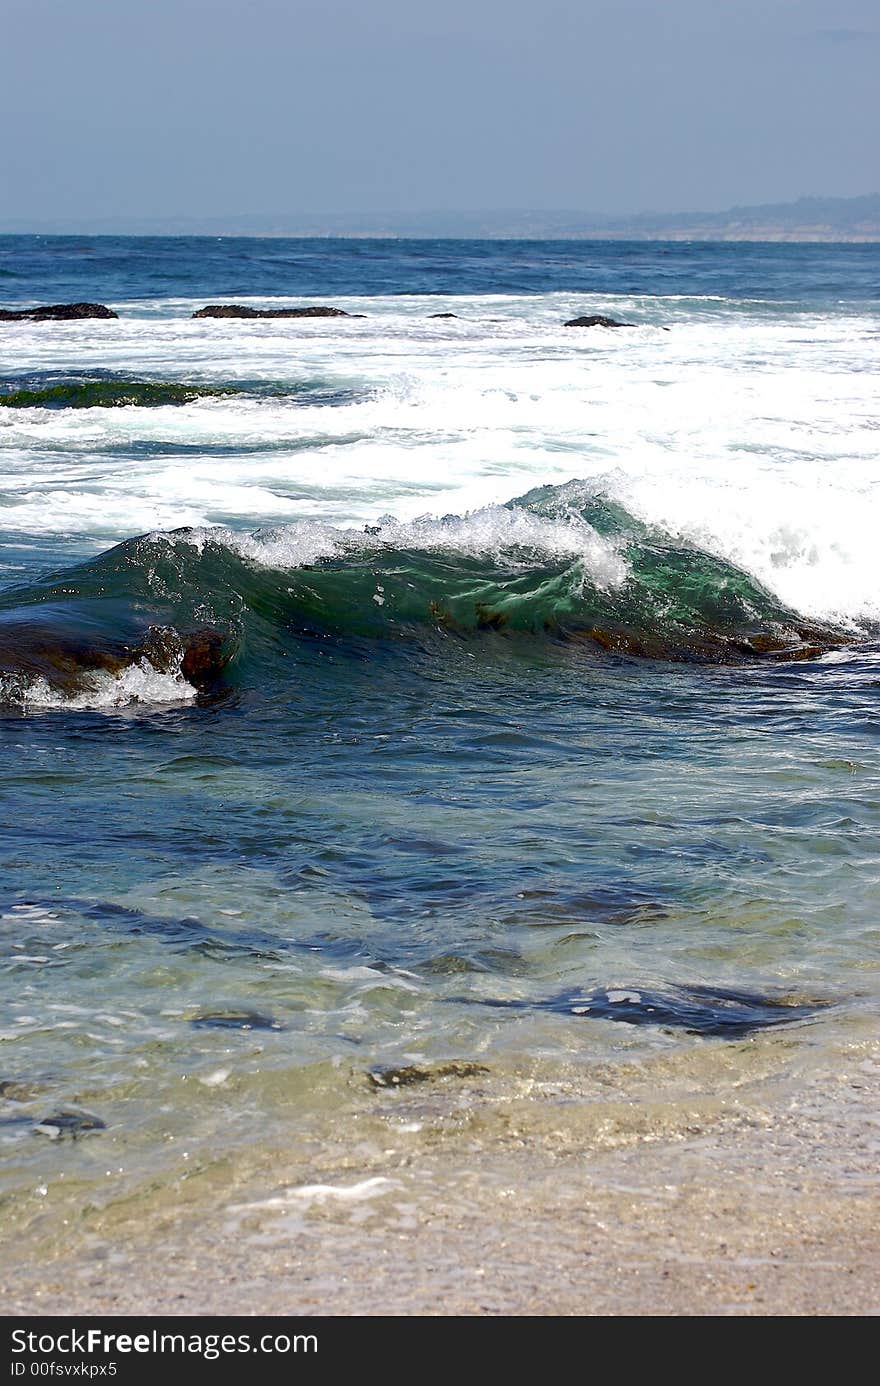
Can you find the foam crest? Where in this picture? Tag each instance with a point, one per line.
(513, 534)
(495, 533)
(284, 546)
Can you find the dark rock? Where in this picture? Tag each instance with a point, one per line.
(597, 320)
(236, 310)
(443, 315)
(199, 654)
(57, 312)
(66, 659)
(69, 1123)
(63, 660)
(204, 658)
(235, 1020)
(448, 965)
(414, 1073)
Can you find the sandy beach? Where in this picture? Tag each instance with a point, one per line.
(539, 1199)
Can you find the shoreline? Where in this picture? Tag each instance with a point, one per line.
(760, 1209)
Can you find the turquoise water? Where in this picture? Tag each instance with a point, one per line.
(502, 753)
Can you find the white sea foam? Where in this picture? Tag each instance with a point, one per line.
(497, 530)
(746, 429)
(810, 540)
(307, 1194)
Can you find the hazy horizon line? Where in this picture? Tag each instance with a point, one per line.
(814, 217)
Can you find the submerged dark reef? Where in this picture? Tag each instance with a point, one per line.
(108, 394)
(105, 389)
(699, 1010)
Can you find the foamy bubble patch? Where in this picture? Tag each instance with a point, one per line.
(139, 684)
(306, 1194)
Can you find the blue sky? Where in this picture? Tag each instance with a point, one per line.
(114, 108)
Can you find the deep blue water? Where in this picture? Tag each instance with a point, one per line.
(112, 268)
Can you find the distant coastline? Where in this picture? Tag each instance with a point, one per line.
(853, 220)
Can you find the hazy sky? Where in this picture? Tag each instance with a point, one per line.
(203, 107)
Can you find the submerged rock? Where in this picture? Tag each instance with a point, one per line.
(597, 320)
(69, 1123)
(443, 315)
(699, 644)
(57, 312)
(237, 310)
(414, 1073)
(715, 647)
(235, 1020)
(698, 1010)
(14, 1090)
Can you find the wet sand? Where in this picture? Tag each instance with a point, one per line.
(516, 1205)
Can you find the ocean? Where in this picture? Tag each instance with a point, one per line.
(527, 756)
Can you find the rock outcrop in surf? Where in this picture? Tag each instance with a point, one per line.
(238, 310)
(57, 312)
(66, 662)
(596, 320)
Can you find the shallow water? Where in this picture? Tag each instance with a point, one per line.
(427, 817)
